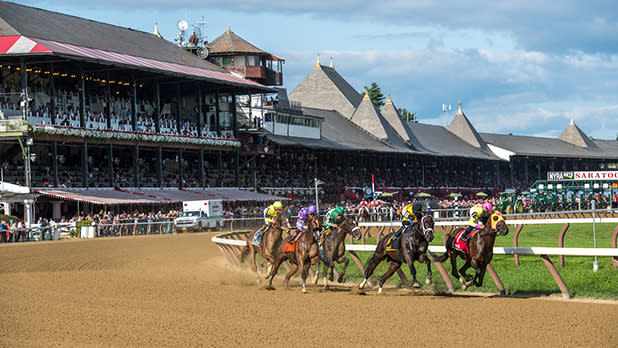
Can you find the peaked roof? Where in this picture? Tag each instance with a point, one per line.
(574, 135)
(230, 43)
(392, 116)
(367, 117)
(325, 89)
(461, 127)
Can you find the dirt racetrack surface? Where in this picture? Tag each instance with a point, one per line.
(178, 291)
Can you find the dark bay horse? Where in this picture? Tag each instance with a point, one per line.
(414, 243)
(334, 247)
(305, 254)
(270, 243)
(481, 248)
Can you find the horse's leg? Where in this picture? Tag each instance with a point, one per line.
(345, 261)
(392, 268)
(415, 283)
(464, 278)
(331, 277)
(370, 267)
(290, 274)
(428, 279)
(275, 268)
(316, 261)
(304, 268)
(454, 272)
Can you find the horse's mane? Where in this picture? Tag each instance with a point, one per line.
(485, 215)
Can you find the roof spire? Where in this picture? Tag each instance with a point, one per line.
(331, 63)
(317, 64)
(229, 29)
(156, 31)
(388, 100)
(459, 111)
(366, 96)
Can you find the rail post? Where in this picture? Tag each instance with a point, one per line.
(614, 237)
(554, 273)
(563, 231)
(516, 243)
(494, 276)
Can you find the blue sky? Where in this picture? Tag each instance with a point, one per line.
(522, 67)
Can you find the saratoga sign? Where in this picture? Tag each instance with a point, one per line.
(602, 175)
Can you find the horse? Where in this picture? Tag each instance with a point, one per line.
(333, 247)
(271, 241)
(305, 254)
(364, 215)
(414, 245)
(481, 246)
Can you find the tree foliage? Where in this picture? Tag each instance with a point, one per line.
(407, 115)
(375, 94)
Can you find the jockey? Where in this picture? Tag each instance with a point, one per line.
(270, 213)
(302, 222)
(332, 218)
(411, 214)
(474, 221)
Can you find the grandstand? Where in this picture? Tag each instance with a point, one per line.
(94, 105)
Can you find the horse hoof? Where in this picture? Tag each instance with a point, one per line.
(379, 291)
(416, 285)
(304, 291)
(428, 281)
(462, 281)
(340, 279)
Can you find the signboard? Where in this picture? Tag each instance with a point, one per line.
(13, 128)
(589, 175)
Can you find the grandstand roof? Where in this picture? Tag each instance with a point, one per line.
(369, 118)
(574, 135)
(325, 89)
(391, 114)
(461, 127)
(551, 147)
(32, 31)
(229, 44)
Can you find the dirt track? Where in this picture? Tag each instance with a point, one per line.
(177, 291)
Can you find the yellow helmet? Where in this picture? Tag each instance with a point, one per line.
(277, 205)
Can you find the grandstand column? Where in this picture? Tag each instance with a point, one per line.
(178, 125)
(157, 115)
(85, 164)
(234, 121)
(136, 178)
(110, 163)
(219, 168)
(108, 102)
(180, 169)
(200, 112)
(237, 169)
(54, 161)
(202, 173)
(160, 165)
(217, 126)
(52, 101)
(82, 98)
(133, 103)
(24, 87)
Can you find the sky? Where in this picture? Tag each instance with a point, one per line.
(519, 67)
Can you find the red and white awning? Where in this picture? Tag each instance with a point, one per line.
(24, 45)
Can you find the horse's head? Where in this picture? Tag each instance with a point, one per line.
(349, 225)
(498, 223)
(426, 229)
(315, 223)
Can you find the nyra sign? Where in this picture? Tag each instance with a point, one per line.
(603, 175)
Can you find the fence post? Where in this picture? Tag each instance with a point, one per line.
(614, 237)
(494, 276)
(516, 243)
(563, 231)
(554, 273)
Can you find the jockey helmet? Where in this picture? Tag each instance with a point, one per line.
(487, 206)
(312, 209)
(339, 210)
(277, 205)
(417, 208)
(363, 203)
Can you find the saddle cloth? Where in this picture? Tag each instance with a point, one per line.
(289, 248)
(462, 245)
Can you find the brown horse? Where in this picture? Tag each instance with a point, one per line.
(481, 247)
(333, 247)
(364, 215)
(414, 243)
(270, 243)
(305, 254)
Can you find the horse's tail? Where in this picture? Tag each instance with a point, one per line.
(436, 258)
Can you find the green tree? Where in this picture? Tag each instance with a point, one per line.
(616, 136)
(375, 94)
(407, 115)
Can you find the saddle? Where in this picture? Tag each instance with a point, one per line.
(462, 245)
(394, 242)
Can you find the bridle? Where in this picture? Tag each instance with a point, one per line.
(427, 232)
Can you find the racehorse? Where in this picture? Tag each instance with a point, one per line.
(305, 253)
(363, 214)
(481, 249)
(333, 247)
(414, 243)
(271, 241)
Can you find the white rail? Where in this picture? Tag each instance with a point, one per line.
(599, 220)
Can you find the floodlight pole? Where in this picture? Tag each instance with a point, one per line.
(317, 207)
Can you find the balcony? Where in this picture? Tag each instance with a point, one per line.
(259, 74)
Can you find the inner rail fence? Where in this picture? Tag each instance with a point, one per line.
(231, 244)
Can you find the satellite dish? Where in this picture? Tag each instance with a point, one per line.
(183, 25)
(203, 52)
